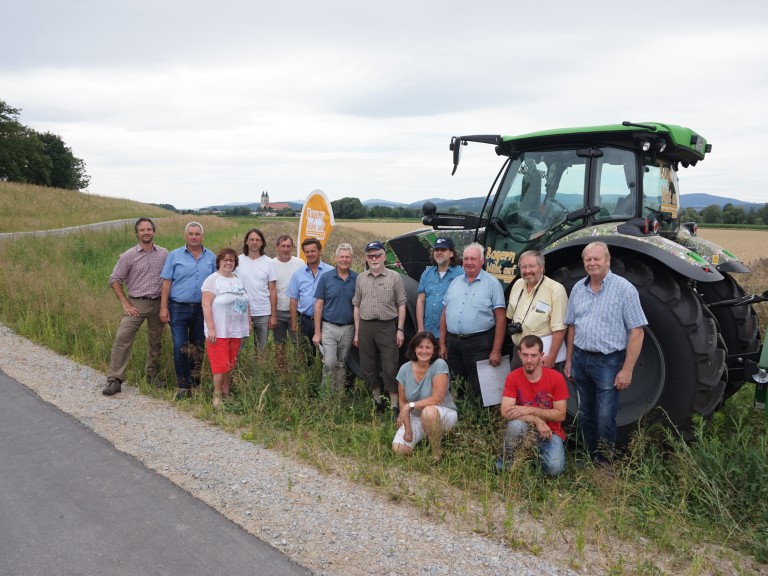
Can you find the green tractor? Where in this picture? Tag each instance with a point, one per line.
(559, 190)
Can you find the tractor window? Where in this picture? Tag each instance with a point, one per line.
(660, 192)
(539, 188)
(616, 185)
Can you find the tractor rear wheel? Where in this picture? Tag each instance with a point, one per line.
(680, 367)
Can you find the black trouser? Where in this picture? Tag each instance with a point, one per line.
(463, 353)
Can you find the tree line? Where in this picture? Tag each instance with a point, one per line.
(729, 214)
(40, 158)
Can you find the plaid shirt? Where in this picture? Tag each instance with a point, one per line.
(378, 297)
(603, 320)
(139, 271)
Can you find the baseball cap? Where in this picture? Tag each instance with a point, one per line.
(375, 245)
(446, 243)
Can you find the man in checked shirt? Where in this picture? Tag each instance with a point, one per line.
(138, 270)
(605, 335)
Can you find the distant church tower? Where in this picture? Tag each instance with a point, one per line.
(264, 200)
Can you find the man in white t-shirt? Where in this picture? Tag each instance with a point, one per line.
(285, 265)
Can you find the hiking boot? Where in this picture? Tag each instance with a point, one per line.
(113, 387)
(183, 393)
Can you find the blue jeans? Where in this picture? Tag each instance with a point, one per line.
(551, 452)
(188, 341)
(594, 375)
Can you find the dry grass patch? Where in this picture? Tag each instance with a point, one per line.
(24, 208)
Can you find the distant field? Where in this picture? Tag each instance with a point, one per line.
(749, 245)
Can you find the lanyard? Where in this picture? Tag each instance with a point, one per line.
(533, 297)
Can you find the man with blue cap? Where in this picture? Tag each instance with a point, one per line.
(433, 284)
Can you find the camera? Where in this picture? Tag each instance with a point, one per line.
(514, 328)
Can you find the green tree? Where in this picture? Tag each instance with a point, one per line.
(380, 212)
(34, 158)
(348, 208)
(67, 171)
(712, 214)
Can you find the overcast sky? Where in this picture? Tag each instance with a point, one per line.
(197, 102)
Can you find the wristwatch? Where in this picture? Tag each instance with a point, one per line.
(412, 405)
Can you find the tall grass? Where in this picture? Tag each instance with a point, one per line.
(690, 506)
(24, 207)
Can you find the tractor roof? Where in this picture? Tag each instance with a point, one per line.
(681, 144)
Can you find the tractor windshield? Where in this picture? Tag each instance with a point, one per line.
(539, 189)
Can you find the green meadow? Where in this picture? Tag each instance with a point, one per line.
(665, 507)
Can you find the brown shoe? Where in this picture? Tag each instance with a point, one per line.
(113, 387)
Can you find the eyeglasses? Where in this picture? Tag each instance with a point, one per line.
(228, 261)
(374, 256)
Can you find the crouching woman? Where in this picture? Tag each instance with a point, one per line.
(426, 406)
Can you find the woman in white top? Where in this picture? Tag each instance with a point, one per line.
(258, 274)
(227, 321)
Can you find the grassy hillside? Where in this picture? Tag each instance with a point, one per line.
(24, 207)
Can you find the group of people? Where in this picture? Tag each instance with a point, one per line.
(213, 302)
(599, 329)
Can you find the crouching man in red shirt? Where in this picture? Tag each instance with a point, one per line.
(534, 402)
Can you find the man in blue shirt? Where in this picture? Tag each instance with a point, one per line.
(334, 316)
(183, 274)
(473, 323)
(433, 285)
(605, 334)
(302, 287)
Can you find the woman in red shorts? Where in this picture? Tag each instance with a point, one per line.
(227, 321)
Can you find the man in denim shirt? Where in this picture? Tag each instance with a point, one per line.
(433, 285)
(180, 305)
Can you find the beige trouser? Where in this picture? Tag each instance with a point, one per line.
(126, 332)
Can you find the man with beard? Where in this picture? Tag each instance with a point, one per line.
(537, 306)
(138, 269)
(534, 402)
(433, 284)
(379, 315)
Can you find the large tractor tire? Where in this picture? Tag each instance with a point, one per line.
(738, 327)
(680, 368)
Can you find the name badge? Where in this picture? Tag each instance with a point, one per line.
(542, 307)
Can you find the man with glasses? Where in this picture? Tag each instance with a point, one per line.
(379, 316)
(138, 272)
(433, 284)
(537, 306)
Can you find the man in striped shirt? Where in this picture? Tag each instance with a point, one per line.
(137, 271)
(604, 336)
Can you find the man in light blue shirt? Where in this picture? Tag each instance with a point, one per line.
(434, 283)
(302, 287)
(183, 274)
(473, 323)
(605, 335)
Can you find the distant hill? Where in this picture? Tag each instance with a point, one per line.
(465, 205)
(296, 206)
(701, 201)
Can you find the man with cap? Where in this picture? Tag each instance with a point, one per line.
(379, 316)
(433, 284)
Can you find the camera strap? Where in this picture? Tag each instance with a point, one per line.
(533, 297)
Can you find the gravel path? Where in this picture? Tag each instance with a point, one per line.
(324, 522)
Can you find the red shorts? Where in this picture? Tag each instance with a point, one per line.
(222, 355)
